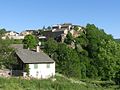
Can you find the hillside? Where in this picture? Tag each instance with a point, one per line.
(93, 54)
(93, 57)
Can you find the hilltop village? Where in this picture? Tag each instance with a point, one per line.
(58, 32)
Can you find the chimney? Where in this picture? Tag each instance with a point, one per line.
(38, 48)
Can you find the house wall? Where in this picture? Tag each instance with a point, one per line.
(42, 71)
(18, 37)
(11, 34)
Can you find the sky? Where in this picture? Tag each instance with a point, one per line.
(19, 15)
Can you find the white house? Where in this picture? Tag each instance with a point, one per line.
(11, 33)
(40, 64)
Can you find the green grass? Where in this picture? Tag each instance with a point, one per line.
(61, 83)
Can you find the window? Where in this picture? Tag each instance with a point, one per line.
(35, 66)
(48, 66)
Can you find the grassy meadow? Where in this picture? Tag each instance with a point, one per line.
(59, 83)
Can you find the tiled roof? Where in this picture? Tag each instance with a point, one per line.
(28, 56)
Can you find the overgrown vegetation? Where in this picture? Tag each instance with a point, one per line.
(60, 83)
(7, 58)
(30, 41)
(96, 55)
(27, 69)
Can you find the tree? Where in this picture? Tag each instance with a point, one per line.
(40, 32)
(117, 78)
(68, 62)
(2, 32)
(7, 58)
(44, 28)
(30, 41)
(103, 51)
(27, 69)
(92, 72)
(76, 28)
(50, 46)
(108, 59)
(69, 38)
(82, 40)
(49, 27)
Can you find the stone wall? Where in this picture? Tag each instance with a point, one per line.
(5, 73)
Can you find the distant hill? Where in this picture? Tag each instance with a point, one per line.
(118, 40)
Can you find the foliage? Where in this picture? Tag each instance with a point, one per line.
(49, 28)
(96, 55)
(117, 78)
(69, 38)
(40, 32)
(50, 46)
(76, 28)
(27, 68)
(16, 41)
(102, 50)
(30, 41)
(7, 58)
(68, 61)
(2, 32)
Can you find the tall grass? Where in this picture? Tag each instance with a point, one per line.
(35, 84)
